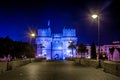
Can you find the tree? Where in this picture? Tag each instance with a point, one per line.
(119, 52)
(29, 50)
(6, 46)
(24, 48)
(93, 51)
(1, 47)
(15, 48)
(82, 49)
(72, 46)
(111, 51)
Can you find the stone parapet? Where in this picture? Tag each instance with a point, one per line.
(112, 67)
(5, 66)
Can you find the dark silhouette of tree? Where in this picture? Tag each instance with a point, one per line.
(29, 50)
(82, 49)
(23, 48)
(111, 51)
(6, 46)
(93, 51)
(1, 47)
(18, 50)
(118, 51)
(72, 46)
(15, 48)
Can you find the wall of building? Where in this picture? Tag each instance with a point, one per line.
(104, 49)
(55, 45)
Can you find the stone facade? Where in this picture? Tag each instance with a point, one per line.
(104, 49)
(55, 46)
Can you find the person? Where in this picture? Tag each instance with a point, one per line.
(104, 56)
(9, 58)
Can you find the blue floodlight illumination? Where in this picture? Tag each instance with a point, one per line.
(64, 58)
(55, 45)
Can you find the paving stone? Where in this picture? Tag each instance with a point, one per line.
(57, 70)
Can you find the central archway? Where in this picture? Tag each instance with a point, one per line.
(57, 57)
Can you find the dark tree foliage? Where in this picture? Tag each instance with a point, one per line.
(118, 51)
(1, 47)
(6, 46)
(111, 51)
(82, 49)
(15, 48)
(93, 51)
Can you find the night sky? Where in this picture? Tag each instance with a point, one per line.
(17, 16)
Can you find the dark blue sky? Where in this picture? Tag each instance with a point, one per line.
(17, 16)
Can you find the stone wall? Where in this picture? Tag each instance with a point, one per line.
(39, 59)
(15, 64)
(108, 66)
(112, 67)
(88, 62)
(5, 66)
(93, 63)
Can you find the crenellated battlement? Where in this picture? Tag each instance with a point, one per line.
(44, 32)
(69, 32)
(57, 35)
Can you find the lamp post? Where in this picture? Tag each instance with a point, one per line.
(32, 41)
(95, 16)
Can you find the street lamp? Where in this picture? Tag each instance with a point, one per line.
(32, 36)
(95, 16)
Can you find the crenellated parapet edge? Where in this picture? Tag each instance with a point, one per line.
(69, 32)
(44, 32)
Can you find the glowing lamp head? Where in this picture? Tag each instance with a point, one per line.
(94, 16)
(33, 34)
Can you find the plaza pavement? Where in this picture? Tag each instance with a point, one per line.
(57, 70)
